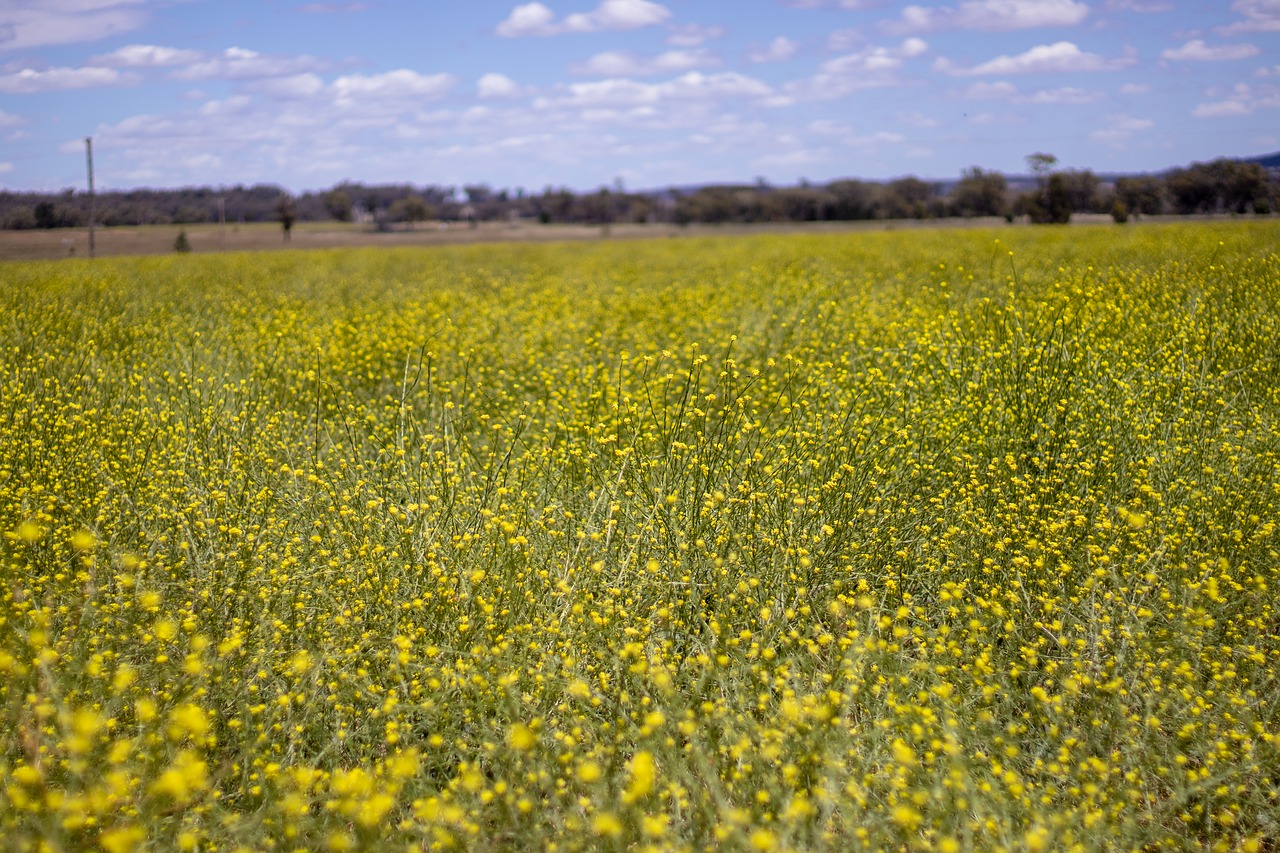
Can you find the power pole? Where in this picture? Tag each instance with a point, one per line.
(88, 151)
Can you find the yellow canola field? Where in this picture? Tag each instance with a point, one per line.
(955, 540)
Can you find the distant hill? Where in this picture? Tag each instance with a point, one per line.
(1266, 161)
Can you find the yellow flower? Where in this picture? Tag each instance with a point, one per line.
(188, 720)
(124, 839)
(607, 825)
(642, 772)
(522, 738)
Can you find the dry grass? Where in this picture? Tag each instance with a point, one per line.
(260, 236)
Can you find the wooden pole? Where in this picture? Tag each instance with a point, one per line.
(88, 151)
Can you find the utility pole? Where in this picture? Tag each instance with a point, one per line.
(88, 151)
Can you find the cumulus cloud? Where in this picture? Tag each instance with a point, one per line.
(1062, 95)
(990, 15)
(693, 35)
(5, 167)
(870, 68)
(779, 49)
(1119, 129)
(1006, 91)
(624, 64)
(839, 41)
(918, 119)
(1197, 51)
(622, 92)
(1145, 7)
(147, 56)
(1059, 57)
(536, 19)
(399, 84)
(10, 120)
(28, 80)
(331, 8)
(495, 85)
(292, 87)
(237, 63)
(1258, 16)
(1242, 100)
(39, 23)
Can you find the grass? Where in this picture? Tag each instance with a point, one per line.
(932, 540)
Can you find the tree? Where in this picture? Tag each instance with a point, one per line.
(1082, 190)
(980, 193)
(46, 215)
(182, 245)
(338, 203)
(287, 214)
(1142, 195)
(1041, 164)
(907, 198)
(1054, 208)
(411, 209)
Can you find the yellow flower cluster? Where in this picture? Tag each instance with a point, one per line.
(954, 540)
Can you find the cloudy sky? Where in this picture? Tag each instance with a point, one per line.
(584, 93)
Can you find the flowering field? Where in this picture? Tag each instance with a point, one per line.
(928, 540)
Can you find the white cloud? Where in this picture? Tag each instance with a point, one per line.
(691, 86)
(1135, 89)
(495, 85)
(146, 56)
(779, 49)
(1241, 100)
(28, 80)
(1063, 95)
(5, 167)
(394, 85)
(292, 87)
(1141, 6)
(1273, 71)
(331, 8)
(529, 19)
(990, 15)
(990, 118)
(1260, 16)
(39, 23)
(624, 64)
(1001, 90)
(693, 35)
(10, 120)
(918, 119)
(536, 19)
(1059, 57)
(843, 40)
(874, 67)
(1119, 129)
(237, 63)
(1197, 51)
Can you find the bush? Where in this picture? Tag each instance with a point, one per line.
(182, 244)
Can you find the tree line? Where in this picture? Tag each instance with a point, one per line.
(1049, 195)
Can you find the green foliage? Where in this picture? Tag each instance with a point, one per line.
(181, 243)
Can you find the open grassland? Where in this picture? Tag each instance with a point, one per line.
(924, 540)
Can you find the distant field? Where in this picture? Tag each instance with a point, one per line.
(940, 540)
(260, 236)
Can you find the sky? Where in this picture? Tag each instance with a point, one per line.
(634, 93)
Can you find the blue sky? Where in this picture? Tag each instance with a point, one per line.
(585, 93)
